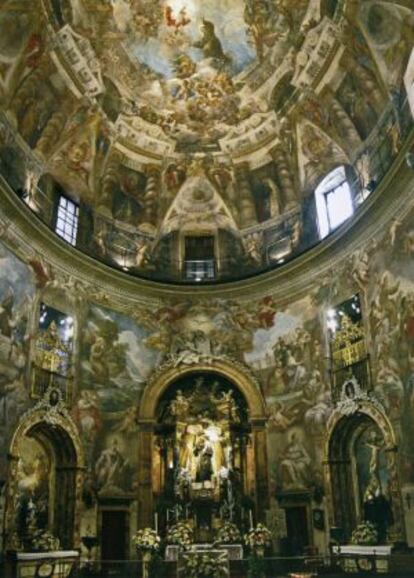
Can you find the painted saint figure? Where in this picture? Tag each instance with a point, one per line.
(205, 464)
(210, 43)
(295, 464)
(110, 467)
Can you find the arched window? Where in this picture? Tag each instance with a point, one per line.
(334, 202)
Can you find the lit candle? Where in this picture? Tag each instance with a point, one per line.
(156, 522)
(251, 519)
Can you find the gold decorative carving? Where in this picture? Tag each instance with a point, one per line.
(348, 345)
(233, 370)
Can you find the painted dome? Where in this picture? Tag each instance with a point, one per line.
(190, 131)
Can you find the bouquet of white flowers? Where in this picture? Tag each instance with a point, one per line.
(365, 534)
(229, 534)
(205, 565)
(147, 540)
(44, 541)
(181, 534)
(258, 538)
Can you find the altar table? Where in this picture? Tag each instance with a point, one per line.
(354, 559)
(41, 564)
(234, 551)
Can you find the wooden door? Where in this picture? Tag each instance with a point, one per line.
(114, 535)
(297, 530)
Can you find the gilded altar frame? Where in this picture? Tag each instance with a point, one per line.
(159, 382)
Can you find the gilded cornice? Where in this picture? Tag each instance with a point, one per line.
(28, 237)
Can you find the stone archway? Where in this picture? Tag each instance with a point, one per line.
(156, 387)
(52, 427)
(343, 429)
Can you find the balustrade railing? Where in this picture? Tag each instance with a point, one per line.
(400, 565)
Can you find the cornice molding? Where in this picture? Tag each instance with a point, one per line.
(27, 236)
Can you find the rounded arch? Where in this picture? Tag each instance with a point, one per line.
(343, 428)
(235, 372)
(40, 421)
(339, 422)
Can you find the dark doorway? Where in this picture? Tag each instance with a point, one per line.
(114, 536)
(297, 530)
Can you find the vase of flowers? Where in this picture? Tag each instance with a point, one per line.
(258, 539)
(180, 534)
(205, 565)
(148, 543)
(365, 534)
(228, 534)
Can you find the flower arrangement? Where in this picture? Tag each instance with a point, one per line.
(147, 540)
(365, 534)
(229, 534)
(258, 538)
(180, 534)
(44, 541)
(205, 565)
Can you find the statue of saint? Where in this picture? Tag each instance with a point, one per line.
(186, 446)
(179, 406)
(375, 444)
(225, 403)
(205, 470)
(377, 509)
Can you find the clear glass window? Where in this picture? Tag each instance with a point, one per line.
(334, 203)
(67, 220)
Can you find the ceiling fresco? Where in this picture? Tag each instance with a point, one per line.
(190, 59)
(172, 117)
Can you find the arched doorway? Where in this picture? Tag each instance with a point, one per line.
(214, 410)
(362, 470)
(45, 478)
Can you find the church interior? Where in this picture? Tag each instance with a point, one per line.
(206, 288)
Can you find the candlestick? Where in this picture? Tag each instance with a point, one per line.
(156, 522)
(251, 519)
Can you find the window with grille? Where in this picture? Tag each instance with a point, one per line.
(199, 258)
(334, 202)
(67, 220)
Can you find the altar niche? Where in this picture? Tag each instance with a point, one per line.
(203, 445)
(43, 487)
(363, 471)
